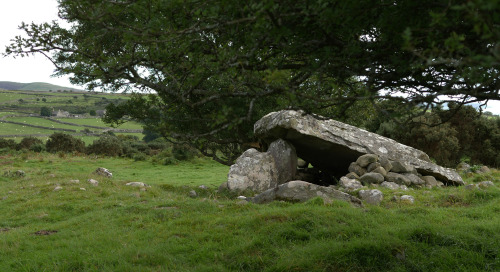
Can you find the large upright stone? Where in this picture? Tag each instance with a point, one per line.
(259, 171)
(331, 145)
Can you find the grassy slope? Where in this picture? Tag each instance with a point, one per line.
(113, 227)
(34, 86)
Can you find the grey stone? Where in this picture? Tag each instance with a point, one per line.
(203, 187)
(403, 187)
(397, 178)
(430, 181)
(373, 166)
(137, 184)
(370, 178)
(390, 185)
(350, 184)
(74, 181)
(259, 171)
(331, 145)
(101, 171)
(285, 159)
(380, 170)
(373, 196)
(401, 167)
(300, 191)
(463, 167)
(384, 162)
(58, 188)
(222, 187)
(193, 194)
(407, 198)
(241, 197)
(471, 186)
(485, 184)
(352, 175)
(367, 159)
(83, 189)
(93, 182)
(414, 179)
(484, 169)
(355, 168)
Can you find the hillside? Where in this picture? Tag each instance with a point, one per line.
(34, 86)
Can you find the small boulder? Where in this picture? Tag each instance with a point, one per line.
(384, 162)
(101, 171)
(401, 167)
(19, 173)
(352, 175)
(74, 181)
(485, 184)
(484, 169)
(350, 184)
(373, 196)
(397, 178)
(203, 187)
(379, 170)
(137, 184)
(93, 182)
(357, 169)
(372, 178)
(193, 194)
(407, 198)
(390, 185)
(471, 186)
(83, 189)
(430, 181)
(372, 166)
(366, 160)
(414, 179)
(463, 167)
(58, 188)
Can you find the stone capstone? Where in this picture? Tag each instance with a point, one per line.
(331, 145)
(259, 171)
(300, 191)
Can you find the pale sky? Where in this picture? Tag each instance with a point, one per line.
(38, 68)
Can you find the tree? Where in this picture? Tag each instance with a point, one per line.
(217, 66)
(45, 111)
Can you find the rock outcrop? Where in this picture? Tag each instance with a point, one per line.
(331, 145)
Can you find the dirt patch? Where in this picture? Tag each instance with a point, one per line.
(46, 232)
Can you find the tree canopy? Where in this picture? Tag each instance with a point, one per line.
(217, 66)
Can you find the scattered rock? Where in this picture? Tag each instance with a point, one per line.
(471, 186)
(203, 187)
(93, 182)
(485, 184)
(350, 184)
(193, 194)
(484, 169)
(75, 181)
(103, 172)
(58, 188)
(52, 175)
(371, 178)
(83, 189)
(19, 173)
(373, 196)
(241, 197)
(407, 198)
(137, 184)
(300, 191)
(463, 167)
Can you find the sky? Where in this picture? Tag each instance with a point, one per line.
(37, 68)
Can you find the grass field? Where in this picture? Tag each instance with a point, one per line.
(113, 227)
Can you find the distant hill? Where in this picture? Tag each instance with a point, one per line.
(34, 86)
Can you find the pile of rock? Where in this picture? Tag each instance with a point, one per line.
(371, 169)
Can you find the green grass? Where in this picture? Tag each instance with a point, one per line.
(113, 227)
(42, 122)
(13, 129)
(99, 123)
